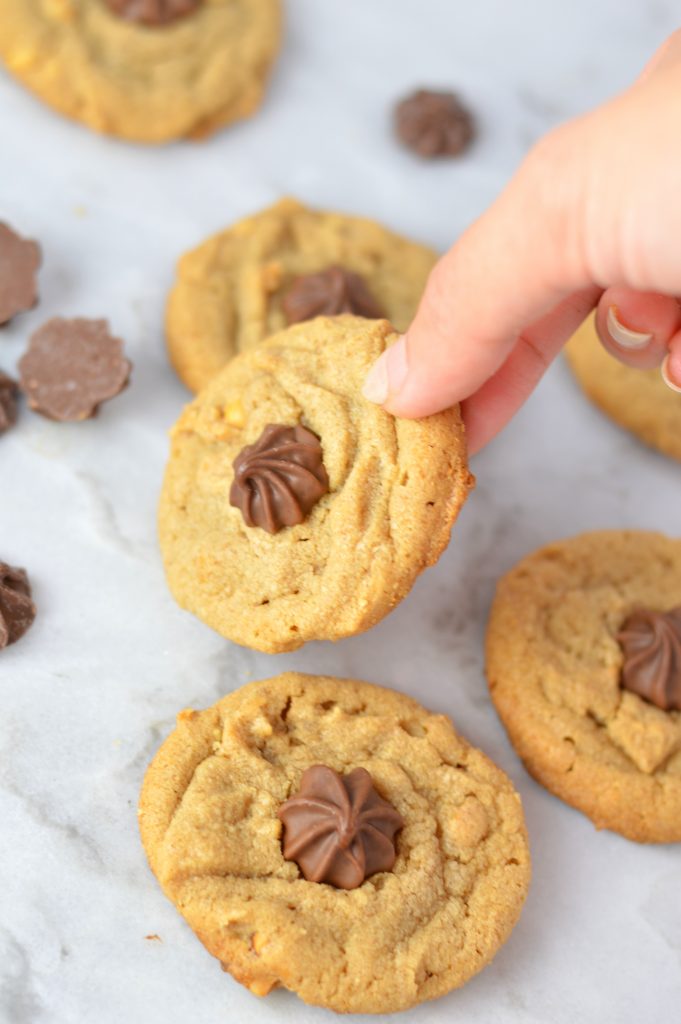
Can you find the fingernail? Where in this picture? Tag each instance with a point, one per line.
(624, 336)
(664, 370)
(388, 373)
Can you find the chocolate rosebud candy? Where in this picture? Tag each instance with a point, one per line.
(71, 367)
(434, 123)
(152, 12)
(328, 293)
(279, 479)
(17, 610)
(651, 644)
(338, 829)
(19, 262)
(8, 402)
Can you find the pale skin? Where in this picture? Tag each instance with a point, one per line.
(591, 219)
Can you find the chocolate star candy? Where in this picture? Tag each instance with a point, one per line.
(152, 12)
(280, 478)
(434, 123)
(328, 293)
(8, 402)
(19, 262)
(17, 611)
(338, 829)
(71, 367)
(651, 643)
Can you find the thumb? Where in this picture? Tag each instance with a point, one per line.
(513, 266)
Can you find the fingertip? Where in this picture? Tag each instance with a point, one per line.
(636, 327)
(671, 366)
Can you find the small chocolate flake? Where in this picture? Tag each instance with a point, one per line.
(17, 611)
(9, 392)
(328, 293)
(19, 262)
(434, 123)
(152, 12)
(71, 367)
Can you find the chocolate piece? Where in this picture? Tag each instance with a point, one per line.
(71, 367)
(338, 829)
(280, 478)
(8, 402)
(17, 610)
(651, 643)
(434, 123)
(19, 262)
(152, 12)
(327, 293)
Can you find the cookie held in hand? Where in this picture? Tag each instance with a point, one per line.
(432, 894)
(275, 538)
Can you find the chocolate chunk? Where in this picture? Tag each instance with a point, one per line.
(71, 367)
(280, 478)
(9, 393)
(152, 12)
(338, 829)
(651, 644)
(19, 262)
(328, 293)
(434, 123)
(17, 610)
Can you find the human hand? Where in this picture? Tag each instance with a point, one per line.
(591, 218)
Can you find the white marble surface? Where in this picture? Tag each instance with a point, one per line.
(88, 694)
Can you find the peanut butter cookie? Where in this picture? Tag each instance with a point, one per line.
(584, 667)
(292, 508)
(638, 400)
(419, 839)
(145, 70)
(282, 265)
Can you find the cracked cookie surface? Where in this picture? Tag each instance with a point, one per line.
(187, 78)
(638, 400)
(395, 488)
(208, 819)
(554, 667)
(229, 291)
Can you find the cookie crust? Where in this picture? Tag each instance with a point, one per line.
(638, 400)
(395, 489)
(553, 665)
(208, 819)
(229, 290)
(187, 78)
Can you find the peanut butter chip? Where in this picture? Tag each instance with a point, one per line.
(71, 367)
